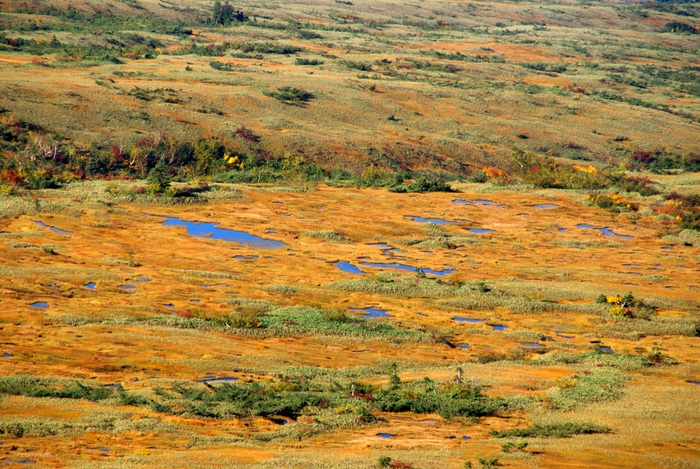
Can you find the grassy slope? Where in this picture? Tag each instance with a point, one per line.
(454, 121)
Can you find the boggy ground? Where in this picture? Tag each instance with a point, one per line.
(541, 276)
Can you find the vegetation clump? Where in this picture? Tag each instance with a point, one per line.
(291, 95)
(553, 430)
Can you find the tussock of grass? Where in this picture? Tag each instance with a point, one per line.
(204, 273)
(66, 274)
(576, 244)
(23, 234)
(685, 237)
(250, 304)
(288, 290)
(123, 262)
(328, 235)
(526, 335)
(654, 326)
(21, 245)
(283, 322)
(552, 430)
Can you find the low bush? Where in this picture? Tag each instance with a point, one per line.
(290, 95)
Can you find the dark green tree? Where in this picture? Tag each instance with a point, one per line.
(224, 14)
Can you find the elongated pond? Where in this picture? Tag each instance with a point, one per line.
(212, 231)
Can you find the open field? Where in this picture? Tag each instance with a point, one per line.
(151, 348)
(349, 234)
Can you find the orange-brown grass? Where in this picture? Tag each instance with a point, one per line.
(139, 356)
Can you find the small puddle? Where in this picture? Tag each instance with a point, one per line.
(484, 202)
(6, 461)
(500, 328)
(220, 380)
(466, 438)
(464, 346)
(373, 313)
(278, 421)
(385, 435)
(694, 383)
(667, 248)
(40, 305)
(546, 207)
(605, 349)
(481, 231)
(604, 231)
(379, 245)
(6, 355)
(531, 345)
(246, 258)
(169, 305)
(348, 268)
(129, 288)
(608, 232)
(461, 319)
(408, 268)
(53, 228)
(196, 302)
(437, 221)
(561, 230)
(91, 285)
(211, 231)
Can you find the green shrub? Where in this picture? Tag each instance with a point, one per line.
(290, 95)
(224, 67)
(301, 61)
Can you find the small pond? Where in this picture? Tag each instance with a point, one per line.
(348, 268)
(220, 380)
(546, 207)
(481, 230)
(605, 231)
(373, 313)
(40, 305)
(499, 328)
(461, 319)
(211, 231)
(129, 288)
(437, 221)
(379, 245)
(53, 228)
(91, 285)
(531, 345)
(385, 435)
